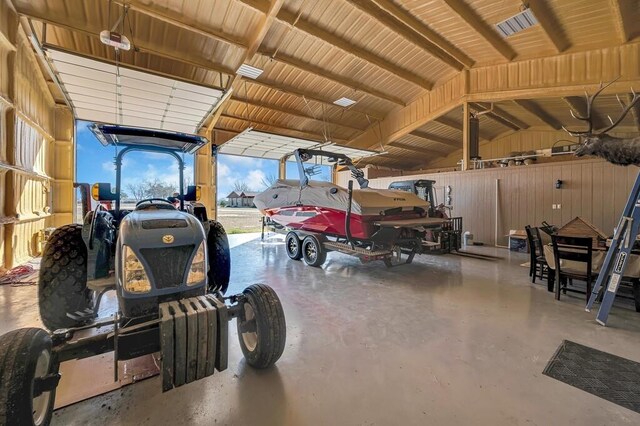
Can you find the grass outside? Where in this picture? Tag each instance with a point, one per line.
(239, 220)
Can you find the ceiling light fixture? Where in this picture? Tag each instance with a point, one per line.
(344, 102)
(246, 70)
(516, 23)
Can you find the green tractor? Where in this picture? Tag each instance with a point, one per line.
(169, 266)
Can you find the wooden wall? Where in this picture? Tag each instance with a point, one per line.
(517, 196)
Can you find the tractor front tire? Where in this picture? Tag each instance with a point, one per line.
(62, 285)
(262, 330)
(25, 356)
(219, 258)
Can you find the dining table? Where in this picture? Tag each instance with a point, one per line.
(631, 273)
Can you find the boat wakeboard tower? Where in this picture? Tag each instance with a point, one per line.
(371, 224)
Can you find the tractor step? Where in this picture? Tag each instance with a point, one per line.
(193, 339)
(347, 249)
(102, 284)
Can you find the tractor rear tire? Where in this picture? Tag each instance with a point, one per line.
(62, 285)
(262, 330)
(219, 258)
(293, 245)
(25, 355)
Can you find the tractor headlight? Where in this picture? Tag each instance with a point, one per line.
(135, 278)
(197, 271)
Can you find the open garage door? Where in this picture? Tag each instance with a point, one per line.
(113, 94)
(254, 143)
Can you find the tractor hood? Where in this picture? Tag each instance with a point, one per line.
(160, 228)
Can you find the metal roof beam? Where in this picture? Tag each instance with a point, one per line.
(500, 116)
(481, 27)
(551, 27)
(141, 45)
(623, 16)
(435, 138)
(418, 26)
(329, 75)
(259, 5)
(308, 96)
(315, 136)
(390, 21)
(417, 150)
(180, 21)
(348, 47)
(290, 111)
(534, 109)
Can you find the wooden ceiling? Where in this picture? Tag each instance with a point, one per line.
(385, 54)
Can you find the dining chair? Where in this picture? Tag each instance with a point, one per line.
(538, 265)
(578, 251)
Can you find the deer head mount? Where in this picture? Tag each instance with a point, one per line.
(621, 151)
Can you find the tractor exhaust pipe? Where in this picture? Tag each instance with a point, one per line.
(85, 197)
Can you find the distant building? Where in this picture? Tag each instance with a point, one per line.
(242, 199)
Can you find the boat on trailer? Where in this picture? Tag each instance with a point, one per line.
(372, 224)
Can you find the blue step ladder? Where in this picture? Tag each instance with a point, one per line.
(615, 262)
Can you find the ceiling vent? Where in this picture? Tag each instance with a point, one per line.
(516, 23)
(344, 102)
(249, 71)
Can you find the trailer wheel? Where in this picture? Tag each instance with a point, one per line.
(219, 258)
(261, 326)
(293, 246)
(312, 251)
(62, 283)
(25, 357)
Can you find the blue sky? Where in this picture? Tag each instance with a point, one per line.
(96, 164)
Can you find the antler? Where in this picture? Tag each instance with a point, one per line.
(588, 117)
(625, 110)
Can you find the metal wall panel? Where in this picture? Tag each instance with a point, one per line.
(30, 159)
(593, 189)
(63, 168)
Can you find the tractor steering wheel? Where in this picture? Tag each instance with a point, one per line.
(151, 200)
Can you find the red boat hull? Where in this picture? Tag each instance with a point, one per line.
(329, 221)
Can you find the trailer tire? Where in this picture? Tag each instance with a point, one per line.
(313, 252)
(219, 258)
(293, 246)
(62, 282)
(25, 354)
(262, 330)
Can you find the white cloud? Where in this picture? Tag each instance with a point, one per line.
(108, 166)
(255, 180)
(82, 129)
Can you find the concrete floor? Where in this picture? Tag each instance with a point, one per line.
(444, 341)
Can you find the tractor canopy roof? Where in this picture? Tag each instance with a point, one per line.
(110, 134)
